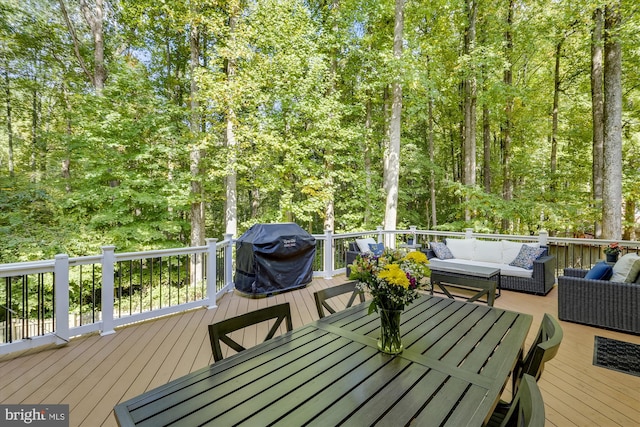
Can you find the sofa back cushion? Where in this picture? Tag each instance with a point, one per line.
(462, 248)
(488, 251)
(626, 269)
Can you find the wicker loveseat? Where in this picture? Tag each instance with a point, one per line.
(600, 303)
(540, 280)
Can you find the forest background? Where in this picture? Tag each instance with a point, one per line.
(152, 124)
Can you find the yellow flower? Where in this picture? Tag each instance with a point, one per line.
(394, 275)
(416, 256)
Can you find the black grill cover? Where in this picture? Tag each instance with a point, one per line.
(273, 258)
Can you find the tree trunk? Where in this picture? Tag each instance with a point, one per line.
(95, 19)
(197, 204)
(231, 202)
(66, 162)
(629, 232)
(508, 109)
(7, 91)
(486, 129)
(432, 175)
(392, 158)
(329, 209)
(554, 114)
(37, 154)
(612, 183)
(368, 142)
(470, 89)
(597, 109)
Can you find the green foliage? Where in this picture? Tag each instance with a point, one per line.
(310, 98)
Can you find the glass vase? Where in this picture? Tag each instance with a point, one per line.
(390, 340)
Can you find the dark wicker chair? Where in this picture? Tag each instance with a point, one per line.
(599, 303)
(351, 255)
(218, 331)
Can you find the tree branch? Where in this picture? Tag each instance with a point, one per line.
(76, 43)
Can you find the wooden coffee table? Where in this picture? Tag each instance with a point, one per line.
(466, 277)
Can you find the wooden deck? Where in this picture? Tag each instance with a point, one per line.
(93, 374)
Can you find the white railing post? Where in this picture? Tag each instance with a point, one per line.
(543, 237)
(329, 248)
(212, 273)
(108, 261)
(412, 229)
(61, 271)
(468, 233)
(382, 238)
(228, 261)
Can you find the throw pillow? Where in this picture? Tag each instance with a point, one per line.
(363, 244)
(600, 271)
(441, 250)
(510, 250)
(626, 269)
(376, 248)
(526, 257)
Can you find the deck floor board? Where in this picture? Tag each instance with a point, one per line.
(92, 374)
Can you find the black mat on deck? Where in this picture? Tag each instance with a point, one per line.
(617, 355)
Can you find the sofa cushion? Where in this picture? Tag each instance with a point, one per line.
(462, 248)
(363, 244)
(488, 251)
(505, 269)
(626, 269)
(441, 250)
(600, 271)
(527, 256)
(376, 248)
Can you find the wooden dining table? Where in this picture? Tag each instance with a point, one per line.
(456, 360)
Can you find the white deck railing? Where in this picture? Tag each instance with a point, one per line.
(51, 301)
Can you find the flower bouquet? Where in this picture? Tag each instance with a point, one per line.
(392, 279)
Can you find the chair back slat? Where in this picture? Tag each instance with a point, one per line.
(219, 331)
(323, 295)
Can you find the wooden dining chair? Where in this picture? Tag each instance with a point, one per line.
(543, 349)
(219, 331)
(527, 409)
(323, 295)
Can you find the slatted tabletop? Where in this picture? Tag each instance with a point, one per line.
(456, 361)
